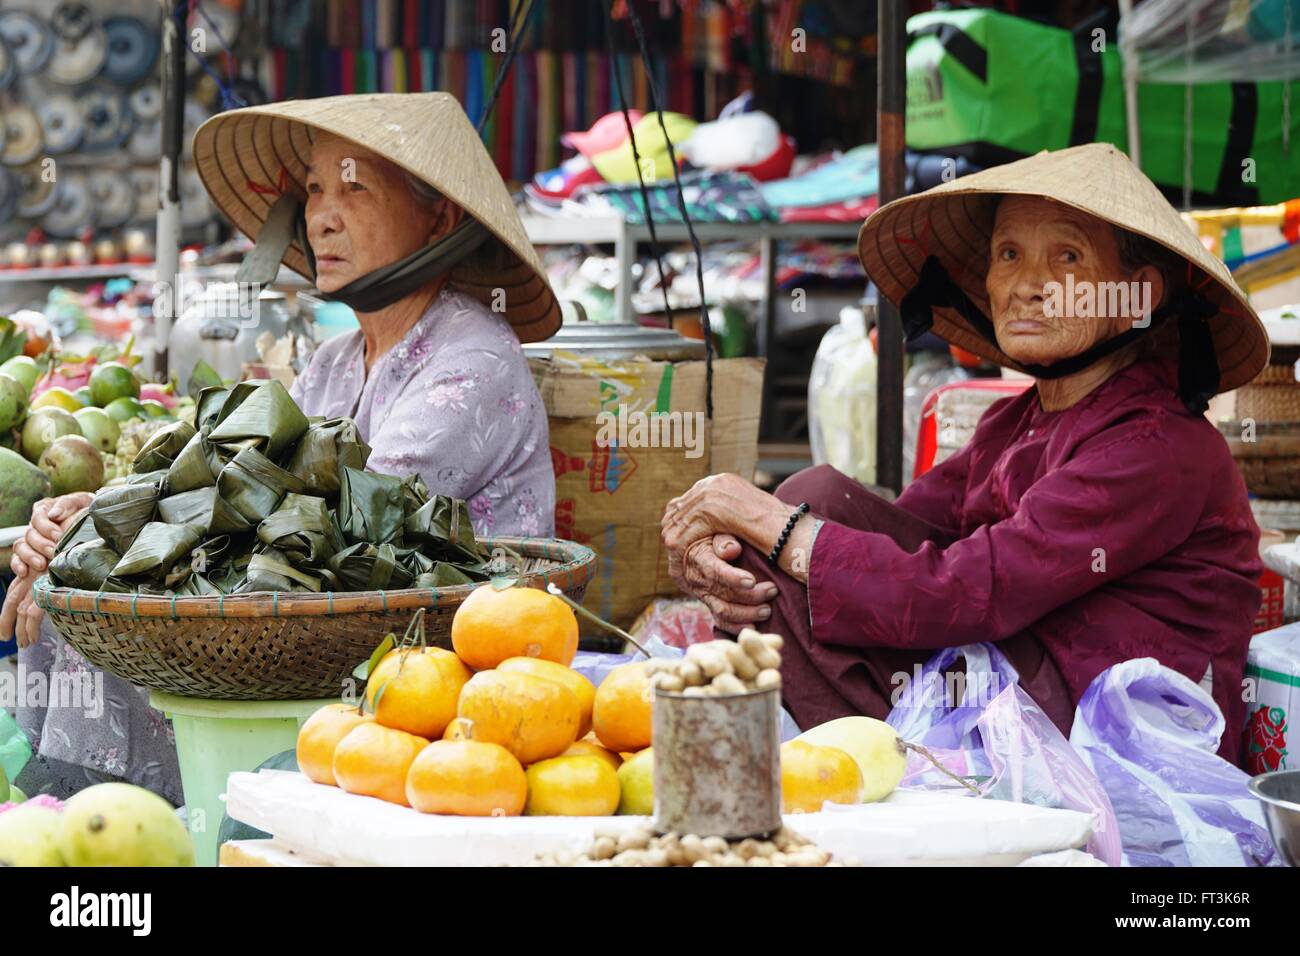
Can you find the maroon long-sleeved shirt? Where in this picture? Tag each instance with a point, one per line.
(1117, 528)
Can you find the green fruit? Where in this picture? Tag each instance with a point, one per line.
(13, 401)
(155, 409)
(43, 426)
(4, 786)
(29, 836)
(22, 484)
(23, 368)
(112, 380)
(117, 824)
(73, 464)
(16, 795)
(84, 396)
(124, 409)
(636, 780)
(100, 429)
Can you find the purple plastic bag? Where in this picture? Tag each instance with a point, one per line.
(1151, 736)
(998, 736)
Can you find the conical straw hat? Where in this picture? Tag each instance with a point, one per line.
(248, 157)
(953, 222)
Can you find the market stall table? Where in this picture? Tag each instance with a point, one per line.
(313, 824)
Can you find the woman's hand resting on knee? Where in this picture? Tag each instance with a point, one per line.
(731, 594)
(702, 531)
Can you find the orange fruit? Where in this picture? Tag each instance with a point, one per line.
(530, 716)
(572, 787)
(588, 748)
(468, 779)
(373, 760)
(320, 734)
(583, 688)
(812, 774)
(493, 626)
(460, 728)
(621, 713)
(421, 688)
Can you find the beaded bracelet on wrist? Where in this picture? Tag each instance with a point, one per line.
(798, 513)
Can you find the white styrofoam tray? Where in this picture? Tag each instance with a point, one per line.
(908, 828)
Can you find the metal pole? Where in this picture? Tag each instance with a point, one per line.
(1128, 53)
(891, 86)
(167, 241)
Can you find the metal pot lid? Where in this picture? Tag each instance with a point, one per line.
(144, 183)
(61, 122)
(114, 197)
(28, 38)
(107, 121)
(146, 141)
(38, 192)
(618, 340)
(146, 102)
(73, 210)
(80, 45)
(132, 50)
(10, 192)
(22, 136)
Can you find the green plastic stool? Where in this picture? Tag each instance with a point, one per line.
(215, 738)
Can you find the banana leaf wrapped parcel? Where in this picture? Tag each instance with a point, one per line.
(118, 513)
(157, 549)
(163, 446)
(371, 507)
(258, 497)
(254, 484)
(323, 452)
(303, 529)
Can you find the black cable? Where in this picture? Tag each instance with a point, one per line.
(519, 20)
(636, 159)
(681, 203)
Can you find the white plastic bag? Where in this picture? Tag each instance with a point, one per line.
(842, 399)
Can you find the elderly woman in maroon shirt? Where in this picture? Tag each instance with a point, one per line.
(1095, 518)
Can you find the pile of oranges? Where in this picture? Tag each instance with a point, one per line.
(500, 726)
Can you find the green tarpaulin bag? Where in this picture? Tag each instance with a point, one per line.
(995, 88)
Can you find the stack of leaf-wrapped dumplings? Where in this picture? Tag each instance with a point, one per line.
(260, 498)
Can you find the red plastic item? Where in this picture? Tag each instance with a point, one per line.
(927, 438)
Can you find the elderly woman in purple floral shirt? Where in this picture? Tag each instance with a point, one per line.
(445, 286)
(436, 382)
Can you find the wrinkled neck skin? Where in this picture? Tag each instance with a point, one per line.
(383, 329)
(1058, 394)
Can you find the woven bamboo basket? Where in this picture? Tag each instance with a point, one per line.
(1272, 397)
(1269, 465)
(272, 645)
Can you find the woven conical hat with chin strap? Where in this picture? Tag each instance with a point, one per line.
(954, 220)
(248, 157)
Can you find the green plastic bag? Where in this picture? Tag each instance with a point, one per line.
(15, 748)
(995, 88)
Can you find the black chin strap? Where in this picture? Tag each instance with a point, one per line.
(373, 291)
(1198, 364)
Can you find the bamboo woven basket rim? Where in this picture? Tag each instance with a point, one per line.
(576, 560)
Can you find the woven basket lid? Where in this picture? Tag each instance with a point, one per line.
(248, 157)
(954, 220)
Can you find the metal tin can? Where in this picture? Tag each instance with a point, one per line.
(718, 764)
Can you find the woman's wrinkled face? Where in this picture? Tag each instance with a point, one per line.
(1056, 283)
(362, 214)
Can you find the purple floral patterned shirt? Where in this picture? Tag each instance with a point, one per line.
(453, 402)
